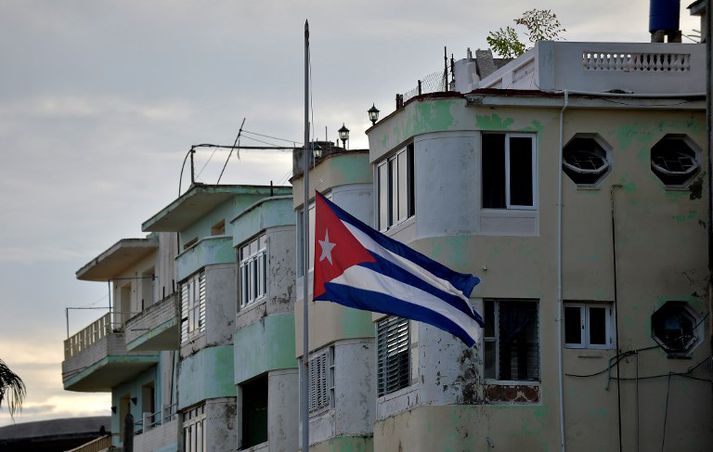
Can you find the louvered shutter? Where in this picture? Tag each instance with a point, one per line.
(185, 294)
(201, 302)
(393, 355)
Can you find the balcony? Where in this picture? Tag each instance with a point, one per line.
(156, 328)
(96, 359)
(207, 251)
(157, 431)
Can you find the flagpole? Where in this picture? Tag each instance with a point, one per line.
(304, 387)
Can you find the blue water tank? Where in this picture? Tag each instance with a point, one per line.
(664, 15)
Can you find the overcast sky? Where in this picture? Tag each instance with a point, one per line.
(100, 100)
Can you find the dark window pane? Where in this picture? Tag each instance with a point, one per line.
(573, 325)
(489, 360)
(493, 168)
(597, 326)
(254, 395)
(394, 191)
(518, 340)
(521, 171)
(489, 318)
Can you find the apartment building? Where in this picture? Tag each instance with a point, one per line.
(127, 351)
(207, 275)
(572, 180)
(341, 340)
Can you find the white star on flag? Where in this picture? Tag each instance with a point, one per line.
(327, 247)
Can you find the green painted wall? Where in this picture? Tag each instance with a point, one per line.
(269, 212)
(208, 251)
(267, 344)
(205, 375)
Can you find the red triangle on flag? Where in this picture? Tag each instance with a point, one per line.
(335, 248)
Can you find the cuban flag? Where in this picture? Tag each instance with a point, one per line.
(360, 267)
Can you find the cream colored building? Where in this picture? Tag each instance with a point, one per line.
(573, 181)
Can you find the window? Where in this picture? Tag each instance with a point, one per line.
(193, 298)
(218, 228)
(508, 171)
(393, 355)
(674, 160)
(511, 345)
(321, 380)
(674, 326)
(254, 412)
(190, 243)
(585, 159)
(588, 325)
(253, 270)
(194, 439)
(395, 186)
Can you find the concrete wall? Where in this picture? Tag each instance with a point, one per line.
(661, 240)
(220, 429)
(221, 303)
(352, 413)
(205, 375)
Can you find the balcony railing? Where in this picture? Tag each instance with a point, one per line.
(153, 420)
(89, 336)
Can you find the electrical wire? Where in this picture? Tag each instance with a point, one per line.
(270, 136)
(261, 141)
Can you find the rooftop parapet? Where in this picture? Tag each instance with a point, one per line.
(596, 67)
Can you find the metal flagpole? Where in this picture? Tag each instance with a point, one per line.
(304, 387)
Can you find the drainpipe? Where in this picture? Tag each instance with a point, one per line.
(560, 308)
(616, 311)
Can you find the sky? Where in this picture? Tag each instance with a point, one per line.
(100, 100)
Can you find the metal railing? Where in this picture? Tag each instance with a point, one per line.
(89, 336)
(93, 333)
(153, 420)
(431, 83)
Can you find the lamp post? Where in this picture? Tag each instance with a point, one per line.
(344, 135)
(373, 114)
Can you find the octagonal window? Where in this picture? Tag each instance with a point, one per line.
(585, 159)
(674, 160)
(675, 327)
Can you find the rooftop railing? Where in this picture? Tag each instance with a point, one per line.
(93, 333)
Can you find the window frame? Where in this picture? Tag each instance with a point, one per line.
(193, 297)
(585, 325)
(508, 177)
(390, 180)
(252, 268)
(194, 420)
(321, 380)
(385, 358)
(496, 339)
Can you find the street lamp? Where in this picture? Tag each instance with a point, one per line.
(373, 114)
(344, 135)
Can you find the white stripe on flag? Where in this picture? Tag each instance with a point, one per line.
(364, 278)
(413, 268)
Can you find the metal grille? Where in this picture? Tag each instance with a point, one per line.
(320, 365)
(431, 83)
(393, 360)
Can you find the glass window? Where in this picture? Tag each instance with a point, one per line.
(511, 340)
(253, 270)
(588, 325)
(508, 167)
(395, 187)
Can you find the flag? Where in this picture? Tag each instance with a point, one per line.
(357, 266)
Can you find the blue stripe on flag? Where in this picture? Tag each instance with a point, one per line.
(376, 301)
(461, 281)
(392, 270)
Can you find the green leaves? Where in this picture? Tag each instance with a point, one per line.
(540, 25)
(505, 42)
(12, 388)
